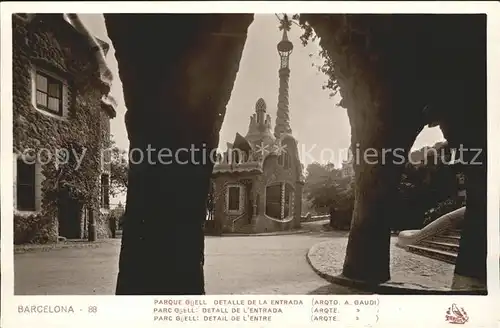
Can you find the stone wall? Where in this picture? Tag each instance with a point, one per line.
(273, 172)
(51, 45)
(224, 219)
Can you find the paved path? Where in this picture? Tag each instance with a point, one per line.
(233, 265)
(407, 269)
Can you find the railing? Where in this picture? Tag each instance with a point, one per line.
(315, 217)
(235, 220)
(449, 220)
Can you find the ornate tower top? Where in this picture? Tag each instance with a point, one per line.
(259, 128)
(285, 48)
(260, 106)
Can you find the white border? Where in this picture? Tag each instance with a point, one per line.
(131, 311)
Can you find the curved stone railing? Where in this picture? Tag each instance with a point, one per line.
(285, 220)
(313, 218)
(449, 220)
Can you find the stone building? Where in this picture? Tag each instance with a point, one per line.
(257, 183)
(61, 121)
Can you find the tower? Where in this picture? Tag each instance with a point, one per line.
(259, 129)
(285, 48)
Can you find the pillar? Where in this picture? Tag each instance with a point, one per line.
(282, 201)
(176, 92)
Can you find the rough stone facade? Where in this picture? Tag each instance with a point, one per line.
(49, 45)
(260, 165)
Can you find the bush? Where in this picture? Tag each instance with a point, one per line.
(441, 209)
(34, 228)
(341, 219)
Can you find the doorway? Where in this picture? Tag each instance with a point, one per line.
(69, 216)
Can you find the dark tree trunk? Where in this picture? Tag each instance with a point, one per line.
(463, 120)
(177, 73)
(471, 260)
(368, 248)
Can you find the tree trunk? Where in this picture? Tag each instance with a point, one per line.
(467, 131)
(176, 90)
(368, 249)
(471, 260)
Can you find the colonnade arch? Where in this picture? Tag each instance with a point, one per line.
(396, 73)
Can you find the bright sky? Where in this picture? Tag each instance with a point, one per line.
(321, 128)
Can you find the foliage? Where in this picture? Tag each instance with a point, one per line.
(31, 229)
(442, 208)
(76, 174)
(118, 168)
(325, 187)
(427, 185)
(117, 211)
(328, 65)
(430, 184)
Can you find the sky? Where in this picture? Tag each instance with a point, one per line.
(321, 128)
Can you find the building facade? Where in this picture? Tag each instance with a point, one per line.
(257, 183)
(61, 121)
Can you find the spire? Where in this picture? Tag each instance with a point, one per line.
(285, 35)
(260, 110)
(285, 48)
(260, 123)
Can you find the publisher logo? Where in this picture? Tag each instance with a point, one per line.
(456, 315)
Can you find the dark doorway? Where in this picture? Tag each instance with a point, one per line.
(69, 216)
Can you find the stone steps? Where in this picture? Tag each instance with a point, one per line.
(443, 247)
(445, 238)
(437, 254)
(451, 247)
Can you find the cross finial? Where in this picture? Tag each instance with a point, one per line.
(285, 23)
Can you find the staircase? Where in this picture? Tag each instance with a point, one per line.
(443, 246)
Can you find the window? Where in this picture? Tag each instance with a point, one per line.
(25, 188)
(234, 198)
(284, 61)
(279, 200)
(284, 160)
(49, 94)
(235, 156)
(105, 191)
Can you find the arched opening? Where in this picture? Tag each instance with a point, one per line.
(368, 251)
(279, 200)
(431, 182)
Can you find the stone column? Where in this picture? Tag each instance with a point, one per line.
(374, 91)
(298, 203)
(176, 89)
(282, 201)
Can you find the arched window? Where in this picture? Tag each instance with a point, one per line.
(279, 200)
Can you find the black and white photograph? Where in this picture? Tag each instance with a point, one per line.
(250, 154)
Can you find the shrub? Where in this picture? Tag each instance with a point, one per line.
(35, 228)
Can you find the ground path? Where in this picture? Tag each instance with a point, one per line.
(233, 265)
